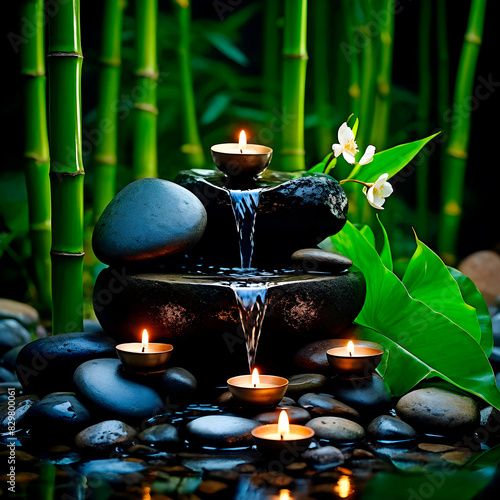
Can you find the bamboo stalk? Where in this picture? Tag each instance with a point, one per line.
(443, 78)
(109, 86)
(36, 150)
(66, 167)
(145, 156)
(456, 153)
(294, 83)
(321, 77)
(353, 57)
(192, 143)
(423, 111)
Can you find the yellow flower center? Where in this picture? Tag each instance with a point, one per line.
(351, 147)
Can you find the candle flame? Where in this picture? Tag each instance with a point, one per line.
(343, 488)
(255, 377)
(350, 347)
(243, 140)
(283, 425)
(285, 495)
(147, 491)
(145, 340)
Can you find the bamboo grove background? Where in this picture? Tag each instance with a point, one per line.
(161, 81)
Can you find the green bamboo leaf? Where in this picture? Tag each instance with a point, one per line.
(424, 270)
(422, 342)
(227, 47)
(216, 106)
(367, 232)
(390, 161)
(385, 253)
(474, 298)
(322, 165)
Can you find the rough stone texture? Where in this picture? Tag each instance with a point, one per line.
(438, 411)
(316, 259)
(103, 384)
(199, 315)
(336, 429)
(162, 434)
(60, 413)
(305, 382)
(25, 314)
(483, 268)
(105, 436)
(295, 414)
(149, 218)
(221, 431)
(21, 405)
(295, 214)
(12, 334)
(387, 428)
(47, 365)
(330, 406)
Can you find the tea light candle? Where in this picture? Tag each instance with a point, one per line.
(358, 357)
(258, 390)
(241, 161)
(143, 357)
(273, 438)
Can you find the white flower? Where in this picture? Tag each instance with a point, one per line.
(378, 191)
(368, 156)
(348, 147)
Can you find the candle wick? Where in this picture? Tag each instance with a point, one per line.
(282, 437)
(255, 385)
(143, 349)
(241, 150)
(350, 354)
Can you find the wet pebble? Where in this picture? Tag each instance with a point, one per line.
(295, 414)
(162, 434)
(328, 406)
(316, 259)
(177, 382)
(105, 436)
(336, 429)
(12, 334)
(325, 457)
(21, 405)
(24, 313)
(305, 382)
(387, 428)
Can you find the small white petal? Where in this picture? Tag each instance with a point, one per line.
(341, 131)
(369, 195)
(387, 189)
(347, 135)
(348, 157)
(337, 149)
(368, 156)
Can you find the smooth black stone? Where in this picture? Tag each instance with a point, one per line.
(303, 383)
(316, 259)
(177, 383)
(292, 214)
(148, 219)
(60, 413)
(105, 436)
(433, 410)
(103, 384)
(47, 365)
(325, 457)
(7, 375)
(221, 431)
(370, 395)
(162, 434)
(21, 406)
(332, 407)
(387, 428)
(9, 359)
(12, 334)
(336, 429)
(198, 316)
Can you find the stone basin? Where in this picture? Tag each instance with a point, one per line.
(198, 314)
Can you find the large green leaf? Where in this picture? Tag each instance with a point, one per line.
(422, 342)
(428, 279)
(385, 252)
(474, 298)
(390, 161)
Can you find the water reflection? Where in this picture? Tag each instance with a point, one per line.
(344, 487)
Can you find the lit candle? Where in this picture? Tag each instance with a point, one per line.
(242, 141)
(359, 357)
(144, 357)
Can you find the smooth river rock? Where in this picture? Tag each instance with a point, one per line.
(48, 364)
(177, 382)
(336, 429)
(325, 457)
(327, 406)
(437, 411)
(221, 431)
(387, 428)
(316, 259)
(162, 434)
(302, 383)
(295, 414)
(103, 384)
(148, 219)
(105, 436)
(24, 313)
(20, 407)
(12, 334)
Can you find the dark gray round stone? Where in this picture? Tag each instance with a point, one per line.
(221, 431)
(295, 414)
(324, 457)
(21, 406)
(162, 434)
(47, 365)
(316, 259)
(9, 359)
(105, 436)
(149, 218)
(12, 334)
(177, 382)
(305, 382)
(387, 428)
(7, 375)
(437, 411)
(328, 406)
(61, 413)
(336, 429)
(104, 385)
(24, 313)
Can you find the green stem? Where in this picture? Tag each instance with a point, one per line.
(456, 153)
(423, 111)
(321, 77)
(66, 167)
(192, 143)
(294, 84)
(145, 157)
(36, 150)
(109, 86)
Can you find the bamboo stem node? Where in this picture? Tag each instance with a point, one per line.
(65, 54)
(457, 153)
(146, 107)
(473, 38)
